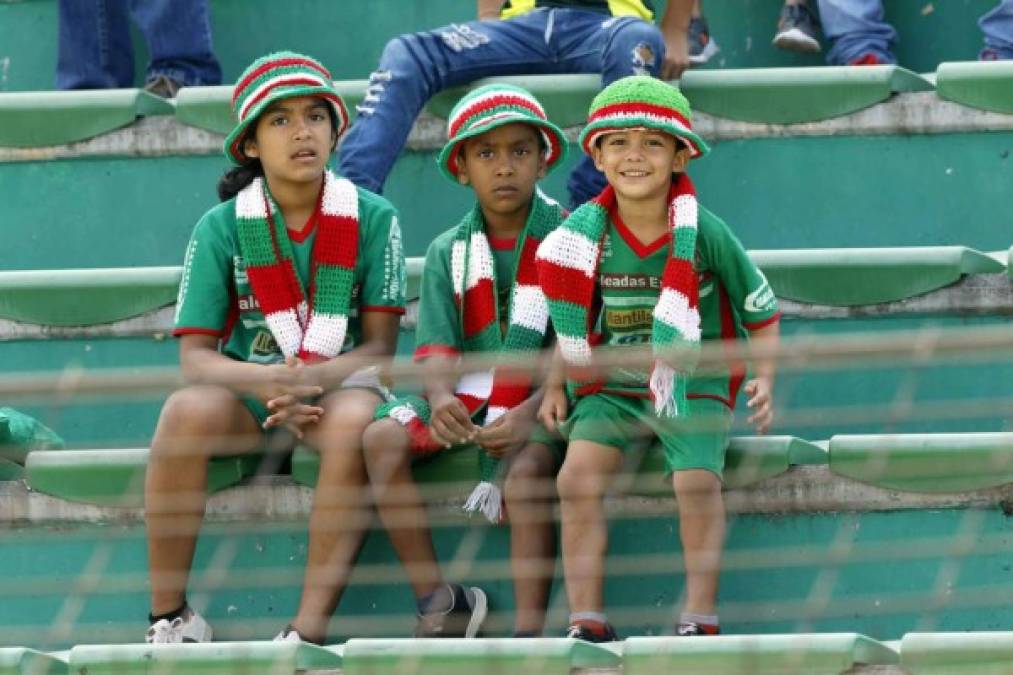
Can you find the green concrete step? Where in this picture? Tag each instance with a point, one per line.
(935, 463)
(865, 276)
(493, 656)
(813, 654)
(115, 477)
(221, 658)
(36, 119)
(22, 661)
(982, 653)
(987, 85)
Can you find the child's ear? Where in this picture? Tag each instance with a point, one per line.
(250, 148)
(543, 166)
(596, 156)
(681, 159)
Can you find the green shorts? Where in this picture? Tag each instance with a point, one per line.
(696, 441)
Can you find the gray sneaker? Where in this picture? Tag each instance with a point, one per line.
(463, 619)
(190, 627)
(798, 29)
(163, 86)
(701, 46)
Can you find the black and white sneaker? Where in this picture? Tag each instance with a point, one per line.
(701, 46)
(592, 632)
(691, 628)
(464, 618)
(798, 29)
(189, 627)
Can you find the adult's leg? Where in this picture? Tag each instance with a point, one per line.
(178, 33)
(341, 511)
(857, 29)
(196, 424)
(530, 492)
(616, 47)
(702, 529)
(997, 28)
(94, 45)
(582, 482)
(415, 66)
(387, 450)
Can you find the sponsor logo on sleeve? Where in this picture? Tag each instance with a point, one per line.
(762, 299)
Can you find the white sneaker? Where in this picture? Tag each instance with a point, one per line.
(190, 627)
(288, 634)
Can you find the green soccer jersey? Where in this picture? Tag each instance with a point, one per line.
(215, 297)
(734, 297)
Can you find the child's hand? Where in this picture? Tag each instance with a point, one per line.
(291, 413)
(553, 409)
(761, 402)
(285, 379)
(451, 422)
(506, 434)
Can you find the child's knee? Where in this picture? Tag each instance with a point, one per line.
(385, 439)
(578, 480)
(530, 475)
(696, 484)
(207, 409)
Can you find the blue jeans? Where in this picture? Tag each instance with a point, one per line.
(857, 28)
(415, 66)
(96, 53)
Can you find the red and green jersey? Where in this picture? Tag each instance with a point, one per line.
(640, 8)
(215, 297)
(439, 326)
(734, 297)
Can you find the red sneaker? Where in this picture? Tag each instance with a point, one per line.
(869, 59)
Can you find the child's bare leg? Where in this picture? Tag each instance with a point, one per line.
(196, 423)
(340, 512)
(582, 482)
(387, 449)
(530, 492)
(702, 528)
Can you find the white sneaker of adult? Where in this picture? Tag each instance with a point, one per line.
(190, 627)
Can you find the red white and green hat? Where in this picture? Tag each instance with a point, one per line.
(272, 78)
(492, 106)
(641, 102)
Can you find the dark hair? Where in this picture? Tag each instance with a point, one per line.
(237, 178)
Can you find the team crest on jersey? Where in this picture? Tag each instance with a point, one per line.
(264, 344)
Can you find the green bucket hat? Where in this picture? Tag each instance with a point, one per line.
(637, 102)
(493, 106)
(272, 78)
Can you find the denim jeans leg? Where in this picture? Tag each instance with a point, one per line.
(415, 66)
(619, 47)
(94, 45)
(178, 33)
(997, 28)
(856, 28)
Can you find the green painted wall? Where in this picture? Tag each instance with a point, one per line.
(931, 32)
(882, 574)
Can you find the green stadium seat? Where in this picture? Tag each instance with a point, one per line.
(987, 85)
(933, 463)
(115, 477)
(218, 658)
(982, 653)
(11, 470)
(468, 657)
(862, 276)
(36, 119)
(21, 661)
(794, 95)
(1009, 262)
(813, 654)
(210, 108)
(85, 297)
(565, 98)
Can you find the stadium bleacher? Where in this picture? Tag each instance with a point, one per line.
(862, 540)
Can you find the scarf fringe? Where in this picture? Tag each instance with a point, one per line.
(664, 390)
(486, 498)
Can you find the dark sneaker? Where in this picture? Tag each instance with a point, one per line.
(463, 619)
(691, 628)
(592, 632)
(701, 46)
(798, 29)
(162, 85)
(990, 54)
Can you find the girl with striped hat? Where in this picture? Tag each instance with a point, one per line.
(292, 291)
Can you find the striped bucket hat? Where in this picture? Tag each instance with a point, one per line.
(493, 106)
(272, 78)
(641, 102)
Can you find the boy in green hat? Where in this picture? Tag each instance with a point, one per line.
(480, 293)
(642, 264)
(292, 292)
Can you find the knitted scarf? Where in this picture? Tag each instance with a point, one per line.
(313, 329)
(474, 282)
(568, 263)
